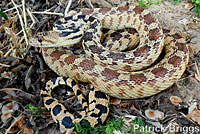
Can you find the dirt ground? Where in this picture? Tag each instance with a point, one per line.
(179, 19)
(24, 72)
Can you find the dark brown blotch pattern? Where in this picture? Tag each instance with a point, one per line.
(123, 9)
(175, 61)
(148, 19)
(138, 9)
(96, 50)
(176, 36)
(116, 56)
(70, 59)
(154, 34)
(165, 31)
(138, 78)
(104, 10)
(132, 31)
(56, 54)
(182, 47)
(88, 36)
(87, 64)
(87, 11)
(159, 72)
(142, 51)
(110, 74)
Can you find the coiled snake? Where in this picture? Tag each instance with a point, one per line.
(111, 72)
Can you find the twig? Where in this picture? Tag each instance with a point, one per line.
(88, 2)
(68, 6)
(4, 65)
(12, 8)
(48, 10)
(8, 52)
(51, 13)
(24, 12)
(31, 16)
(197, 68)
(21, 22)
(14, 123)
(185, 77)
(1, 53)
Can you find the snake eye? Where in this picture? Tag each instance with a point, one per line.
(39, 40)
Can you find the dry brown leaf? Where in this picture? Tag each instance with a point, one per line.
(194, 114)
(7, 111)
(20, 124)
(154, 114)
(188, 5)
(175, 100)
(197, 76)
(115, 101)
(7, 98)
(125, 104)
(132, 107)
(129, 118)
(7, 75)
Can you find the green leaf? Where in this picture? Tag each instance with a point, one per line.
(26, 31)
(3, 15)
(85, 128)
(35, 110)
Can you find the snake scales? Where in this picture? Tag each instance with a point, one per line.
(111, 71)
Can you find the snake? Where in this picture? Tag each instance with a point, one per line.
(128, 74)
(95, 114)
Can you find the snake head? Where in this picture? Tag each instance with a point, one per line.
(54, 39)
(66, 32)
(42, 39)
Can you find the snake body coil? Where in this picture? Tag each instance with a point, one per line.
(111, 71)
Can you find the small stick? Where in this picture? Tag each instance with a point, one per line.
(4, 65)
(68, 6)
(197, 68)
(12, 8)
(31, 16)
(51, 13)
(21, 22)
(24, 12)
